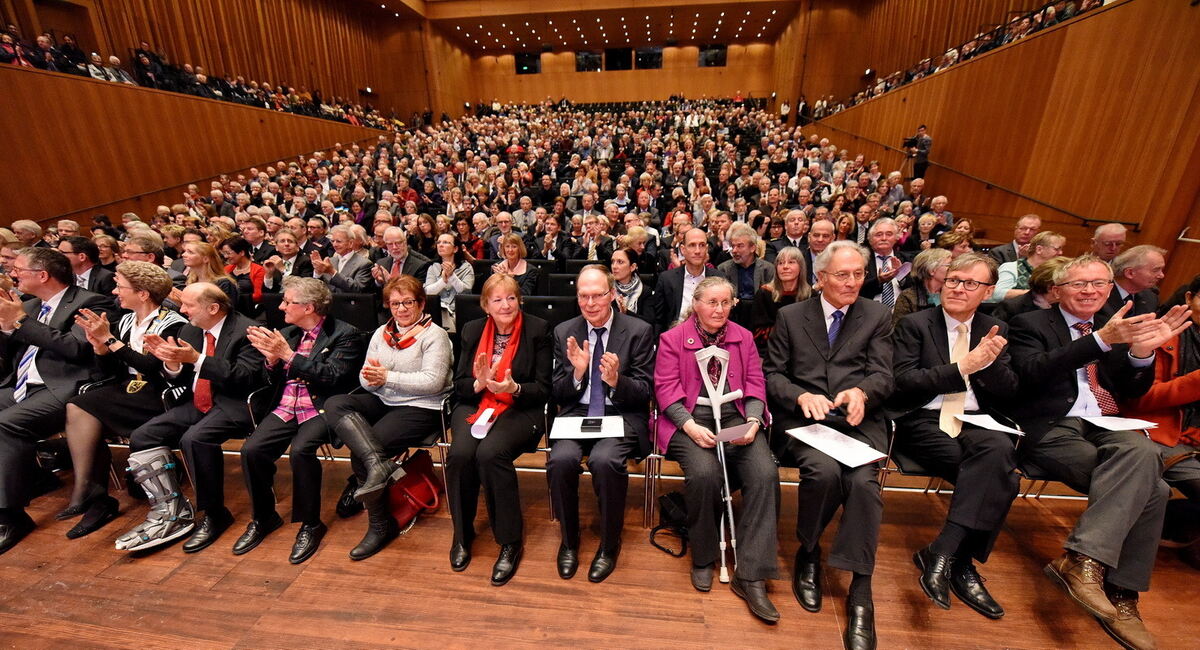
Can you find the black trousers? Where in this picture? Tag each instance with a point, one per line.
(396, 427)
(754, 469)
(1121, 472)
(22, 425)
(606, 461)
(826, 485)
(488, 463)
(200, 435)
(919, 169)
(268, 442)
(981, 464)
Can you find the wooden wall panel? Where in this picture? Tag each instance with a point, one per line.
(82, 142)
(750, 69)
(1074, 116)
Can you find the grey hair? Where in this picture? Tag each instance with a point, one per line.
(826, 256)
(740, 230)
(1087, 259)
(927, 261)
(311, 291)
(1134, 257)
(882, 221)
(1109, 227)
(711, 282)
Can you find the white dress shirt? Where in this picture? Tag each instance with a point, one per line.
(971, 403)
(1085, 403)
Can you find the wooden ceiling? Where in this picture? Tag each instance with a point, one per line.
(596, 29)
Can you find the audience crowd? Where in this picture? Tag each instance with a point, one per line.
(742, 274)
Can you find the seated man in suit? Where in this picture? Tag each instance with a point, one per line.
(826, 354)
(214, 357)
(347, 270)
(1076, 362)
(746, 271)
(285, 261)
(1027, 226)
(950, 360)
(795, 227)
(604, 362)
(400, 259)
(314, 358)
(881, 284)
(1136, 274)
(254, 231)
(85, 263)
(669, 305)
(50, 359)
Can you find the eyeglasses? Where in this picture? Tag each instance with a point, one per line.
(18, 269)
(969, 285)
(845, 276)
(593, 297)
(1080, 285)
(723, 304)
(402, 304)
(285, 302)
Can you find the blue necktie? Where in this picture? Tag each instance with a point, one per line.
(835, 327)
(596, 385)
(27, 361)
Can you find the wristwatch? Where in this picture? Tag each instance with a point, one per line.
(108, 343)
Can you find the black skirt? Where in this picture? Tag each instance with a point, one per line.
(119, 410)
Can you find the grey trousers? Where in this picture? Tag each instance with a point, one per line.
(1121, 472)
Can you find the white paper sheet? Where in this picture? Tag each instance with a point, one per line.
(483, 424)
(734, 433)
(1113, 423)
(836, 445)
(570, 428)
(988, 422)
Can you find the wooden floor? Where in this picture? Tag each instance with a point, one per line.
(58, 593)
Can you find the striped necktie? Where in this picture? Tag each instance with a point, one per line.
(26, 363)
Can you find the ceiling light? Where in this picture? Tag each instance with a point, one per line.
(458, 27)
(768, 20)
(383, 6)
(503, 25)
(773, 11)
(397, 15)
(722, 13)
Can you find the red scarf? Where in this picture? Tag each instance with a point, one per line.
(499, 403)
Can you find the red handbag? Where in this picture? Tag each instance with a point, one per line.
(417, 491)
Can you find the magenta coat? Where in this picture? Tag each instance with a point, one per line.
(676, 375)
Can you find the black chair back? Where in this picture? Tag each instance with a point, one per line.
(359, 309)
(552, 309)
(561, 284)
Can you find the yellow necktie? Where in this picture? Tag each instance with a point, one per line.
(952, 403)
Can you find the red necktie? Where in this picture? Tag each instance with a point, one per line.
(397, 267)
(1108, 405)
(202, 395)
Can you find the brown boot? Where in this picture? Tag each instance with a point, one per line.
(1128, 628)
(1083, 579)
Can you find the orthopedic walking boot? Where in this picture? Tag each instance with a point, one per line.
(170, 516)
(354, 430)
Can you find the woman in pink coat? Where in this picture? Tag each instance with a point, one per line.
(686, 431)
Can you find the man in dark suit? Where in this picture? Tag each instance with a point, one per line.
(85, 263)
(919, 152)
(1136, 274)
(795, 227)
(214, 358)
(604, 362)
(881, 284)
(317, 226)
(827, 354)
(555, 245)
(49, 359)
(315, 357)
(673, 293)
(254, 231)
(951, 361)
(400, 259)
(1075, 362)
(1027, 226)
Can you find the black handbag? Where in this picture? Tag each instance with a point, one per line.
(672, 520)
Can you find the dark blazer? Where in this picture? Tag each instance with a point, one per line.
(632, 340)
(65, 359)
(147, 364)
(531, 367)
(102, 281)
(668, 297)
(415, 265)
(604, 250)
(1046, 359)
(565, 249)
(301, 267)
(922, 368)
(871, 285)
(799, 360)
(1010, 308)
(235, 369)
(776, 245)
(1002, 254)
(324, 246)
(265, 250)
(332, 367)
(1144, 302)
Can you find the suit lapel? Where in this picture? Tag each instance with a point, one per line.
(850, 322)
(939, 334)
(814, 326)
(65, 308)
(1059, 326)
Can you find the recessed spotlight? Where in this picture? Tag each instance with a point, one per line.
(503, 25)
(458, 27)
(722, 13)
(768, 20)
(383, 6)
(397, 15)
(773, 11)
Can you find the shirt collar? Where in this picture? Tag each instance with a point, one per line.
(829, 309)
(215, 330)
(952, 323)
(1072, 319)
(55, 300)
(607, 324)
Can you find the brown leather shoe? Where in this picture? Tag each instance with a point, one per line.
(1083, 579)
(1128, 628)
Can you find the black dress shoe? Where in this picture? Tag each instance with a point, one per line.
(15, 530)
(702, 577)
(967, 584)
(98, 514)
(860, 627)
(806, 580)
(603, 564)
(568, 561)
(308, 539)
(506, 565)
(210, 528)
(754, 592)
(460, 556)
(347, 505)
(256, 532)
(935, 575)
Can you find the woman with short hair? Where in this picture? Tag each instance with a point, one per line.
(512, 263)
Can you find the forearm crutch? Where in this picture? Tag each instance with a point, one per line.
(716, 400)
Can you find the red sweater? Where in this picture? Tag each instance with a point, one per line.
(257, 275)
(1164, 401)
